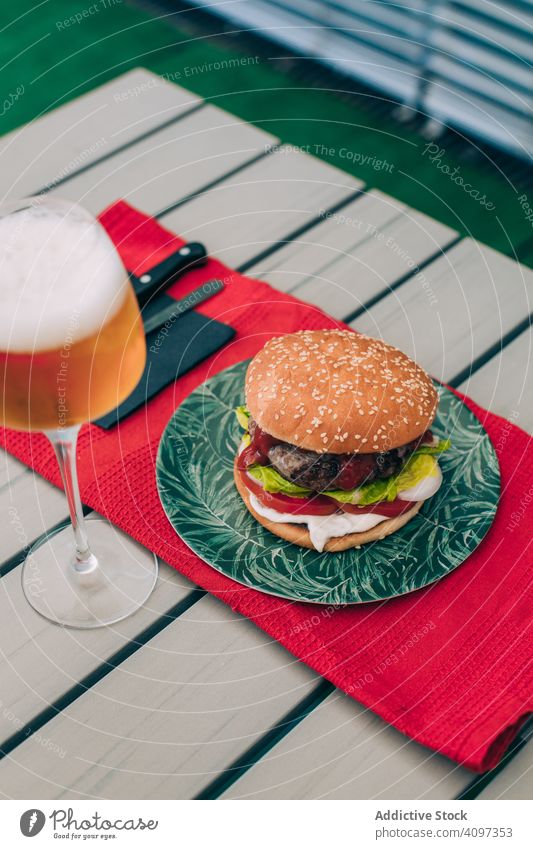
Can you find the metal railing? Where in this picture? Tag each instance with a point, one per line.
(467, 64)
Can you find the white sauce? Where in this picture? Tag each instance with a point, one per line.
(322, 528)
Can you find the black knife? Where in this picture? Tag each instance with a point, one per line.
(155, 316)
(162, 275)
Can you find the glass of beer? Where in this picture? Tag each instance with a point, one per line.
(72, 348)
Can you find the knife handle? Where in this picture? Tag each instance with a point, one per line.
(162, 275)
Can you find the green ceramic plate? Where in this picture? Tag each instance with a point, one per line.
(195, 482)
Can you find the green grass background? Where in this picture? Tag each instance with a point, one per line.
(56, 64)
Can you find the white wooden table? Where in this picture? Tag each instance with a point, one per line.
(186, 699)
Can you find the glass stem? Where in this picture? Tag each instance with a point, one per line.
(64, 443)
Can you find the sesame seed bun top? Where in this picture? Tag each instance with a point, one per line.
(339, 392)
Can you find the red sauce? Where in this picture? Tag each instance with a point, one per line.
(355, 469)
(262, 442)
(246, 458)
(257, 451)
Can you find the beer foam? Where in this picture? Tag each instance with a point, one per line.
(61, 278)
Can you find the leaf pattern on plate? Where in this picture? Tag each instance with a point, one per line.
(195, 482)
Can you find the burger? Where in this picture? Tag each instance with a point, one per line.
(337, 449)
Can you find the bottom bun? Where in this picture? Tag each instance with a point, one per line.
(299, 534)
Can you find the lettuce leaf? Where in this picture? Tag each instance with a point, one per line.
(369, 493)
(418, 467)
(242, 417)
(272, 481)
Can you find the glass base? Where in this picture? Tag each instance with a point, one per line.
(121, 582)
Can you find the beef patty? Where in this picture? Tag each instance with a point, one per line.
(330, 471)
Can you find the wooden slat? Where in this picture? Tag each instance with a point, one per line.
(392, 253)
(516, 780)
(455, 309)
(343, 751)
(327, 244)
(169, 719)
(10, 469)
(170, 164)
(504, 384)
(28, 506)
(261, 205)
(348, 259)
(40, 662)
(84, 130)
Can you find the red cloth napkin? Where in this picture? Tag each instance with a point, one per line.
(448, 665)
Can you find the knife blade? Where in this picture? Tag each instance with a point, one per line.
(161, 276)
(157, 317)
